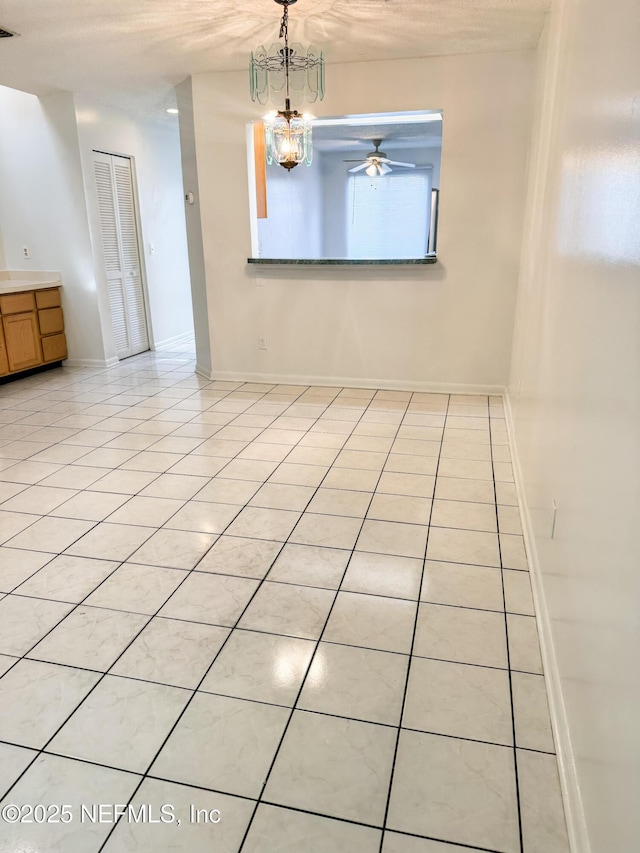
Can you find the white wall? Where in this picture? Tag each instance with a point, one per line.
(293, 226)
(450, 323)
(334, 209)
(155, 148)
(42, 206)
(194, 227)
(575, 393)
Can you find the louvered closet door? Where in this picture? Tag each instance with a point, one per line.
(121, 253)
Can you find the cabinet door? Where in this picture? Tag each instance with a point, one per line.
(4, 364)
(22, 338)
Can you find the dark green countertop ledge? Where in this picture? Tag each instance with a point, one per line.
(429, 259)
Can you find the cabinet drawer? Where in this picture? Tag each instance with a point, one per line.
(50, 321)
(54, 348)
(16, 303)
(48, 298)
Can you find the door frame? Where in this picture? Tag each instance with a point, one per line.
(139, 236)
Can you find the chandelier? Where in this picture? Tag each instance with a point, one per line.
(286, 75)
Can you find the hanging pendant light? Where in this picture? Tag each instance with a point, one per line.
(288, 138)
(286, 75)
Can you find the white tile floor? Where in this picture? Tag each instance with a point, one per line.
(307, 608)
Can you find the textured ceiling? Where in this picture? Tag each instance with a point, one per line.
(135, 52)
(359, 139)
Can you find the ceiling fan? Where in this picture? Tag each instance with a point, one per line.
(377, 163)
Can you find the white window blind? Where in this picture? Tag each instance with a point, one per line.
(388, 216)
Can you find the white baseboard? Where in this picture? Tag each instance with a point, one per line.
(203, 371)
(93, 362)
(572, 800)
(351, 382)
(172, 342)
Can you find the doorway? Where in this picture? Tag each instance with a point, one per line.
(121, 251)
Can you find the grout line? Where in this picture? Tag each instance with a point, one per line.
(24, 657)
(308, 668)
(159, 474)
(513, 715)
(104, 674)
(195, 691)
(146, 382)
(232, 795)
(286, 636)
(408, 674)
(16, 593)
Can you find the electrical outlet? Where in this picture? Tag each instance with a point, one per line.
(262, 343)
(25, 252)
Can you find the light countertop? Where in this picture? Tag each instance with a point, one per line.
(14, 281)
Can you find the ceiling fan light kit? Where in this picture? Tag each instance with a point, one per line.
(376, 163)
(285, 74)
(376, 170)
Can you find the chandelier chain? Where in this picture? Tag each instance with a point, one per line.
(284, 33)
(284, 24)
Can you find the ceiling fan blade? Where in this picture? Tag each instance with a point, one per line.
(355, 160)
(384, 169)
(406, 165)
(359, 168)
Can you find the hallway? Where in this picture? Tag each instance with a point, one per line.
(307, 608)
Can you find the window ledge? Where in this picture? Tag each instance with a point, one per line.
(428, 259)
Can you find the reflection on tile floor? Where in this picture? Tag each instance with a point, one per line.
(265, 618)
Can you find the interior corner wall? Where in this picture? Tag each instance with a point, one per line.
(184, 95)
(575, 396)
(449, 324)
(155, 149)
(42, 206)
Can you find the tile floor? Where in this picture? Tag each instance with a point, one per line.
(306, 609)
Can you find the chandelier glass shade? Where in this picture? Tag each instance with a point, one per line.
(288, 139)
(302, 68)
(285, 76)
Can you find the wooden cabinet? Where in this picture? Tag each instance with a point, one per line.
(31, 330)
(49, 298)
(22, 338)
(16, 303)
(4, 362)
(50, 321)
(54, 348)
